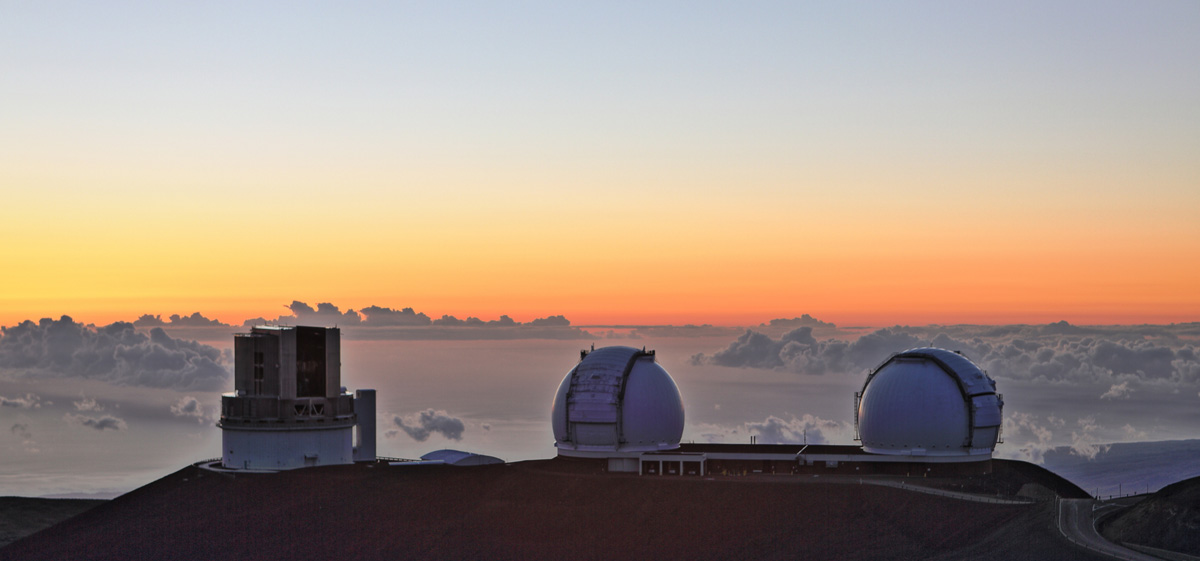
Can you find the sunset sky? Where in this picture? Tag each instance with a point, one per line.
(671, 162)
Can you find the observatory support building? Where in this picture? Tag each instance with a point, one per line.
(288, 408)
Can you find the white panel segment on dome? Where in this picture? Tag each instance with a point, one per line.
(972, 379)
(596, 386)
(986, 420)
(594, 396)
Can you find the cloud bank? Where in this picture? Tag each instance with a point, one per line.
(1060, 352)
(376, 322)
(116, 353)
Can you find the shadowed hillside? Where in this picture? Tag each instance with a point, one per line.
(1168, 519)
(548, 509)
(1012, 478)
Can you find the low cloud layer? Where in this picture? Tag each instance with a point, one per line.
(1029, 438)
(116, 353)
(377, 322)
(807, 429)
(776, 430)
(1060, 352)
(420, 426)
(800, 351)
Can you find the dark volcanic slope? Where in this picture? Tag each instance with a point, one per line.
(531, 510)
(1168, 519)
(21, 516)
(1015, 475)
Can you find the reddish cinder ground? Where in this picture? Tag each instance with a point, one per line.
(551, 509)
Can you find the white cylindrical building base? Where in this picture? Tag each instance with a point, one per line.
(364, 408)
(286, 448)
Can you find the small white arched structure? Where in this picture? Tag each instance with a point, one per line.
(929, 402)
(617, 403)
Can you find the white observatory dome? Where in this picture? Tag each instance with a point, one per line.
(617, 399)
(929, 402)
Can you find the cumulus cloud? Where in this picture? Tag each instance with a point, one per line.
(551, 321)
(807, 429)
(116, 353)
(503, 321)
(1132, 433)
(87, 404)
(1118, 391)
(420, 426)
(188, 406)
(450, 320)
(325, 314)
(1083, 442)
(802, 321)
(377, 316)
(147, 320)
(106, 422)
(176, 320)
(799, 351)
(28, 401)
(1026, 439)
(195, 320)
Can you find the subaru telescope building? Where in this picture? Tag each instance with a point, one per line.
(288, 408)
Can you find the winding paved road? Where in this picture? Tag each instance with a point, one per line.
(1075, 522)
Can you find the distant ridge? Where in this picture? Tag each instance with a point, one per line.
(1127, 467)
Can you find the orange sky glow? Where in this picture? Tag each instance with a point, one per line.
(814, 161)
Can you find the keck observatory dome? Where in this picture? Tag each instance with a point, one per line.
(929, 402)
(616, 401)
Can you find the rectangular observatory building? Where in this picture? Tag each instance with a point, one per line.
(288, 408)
